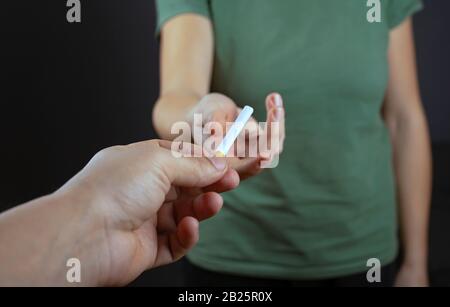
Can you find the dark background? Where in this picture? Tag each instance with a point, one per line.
(69, 90)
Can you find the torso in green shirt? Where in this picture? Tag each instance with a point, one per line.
(330, 204)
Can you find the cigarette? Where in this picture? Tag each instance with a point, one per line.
(235, 130)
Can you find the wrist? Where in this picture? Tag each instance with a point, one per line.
(79, 237)
(416, 254)
(415, 263)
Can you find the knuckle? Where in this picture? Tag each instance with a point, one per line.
(109, 151)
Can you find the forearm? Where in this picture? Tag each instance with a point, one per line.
(187, 48)
(412, 156)
(171, 108)
(38, 238)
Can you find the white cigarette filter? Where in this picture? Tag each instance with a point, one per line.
(235, 130)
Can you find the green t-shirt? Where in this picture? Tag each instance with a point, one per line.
(330, 204)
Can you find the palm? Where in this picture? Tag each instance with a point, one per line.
(128, 253)
(221, 109)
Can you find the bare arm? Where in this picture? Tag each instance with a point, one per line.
(130, 209)
(406, 120)
(186, 65)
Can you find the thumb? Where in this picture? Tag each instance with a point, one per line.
(185, 170)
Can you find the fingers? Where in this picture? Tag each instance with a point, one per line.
(175, 245)
(224, 108)
(251, 127)
(247, 141)
(166, 219)
(201, 203)
(228, 182)
(267, 143)
(247, 167)
(275, 123)
(275, 108)
(185, 237)
(224, 116)
(208, 202)
(273, 135)
(214, 108)
(275, 131)
(207, 205)
(274, 100)
(201, 208)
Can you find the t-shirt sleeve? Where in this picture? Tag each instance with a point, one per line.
(399, 10)
(167, 9)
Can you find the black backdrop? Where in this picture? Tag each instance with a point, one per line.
(68, 90)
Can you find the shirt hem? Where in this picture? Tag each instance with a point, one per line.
(252, 269)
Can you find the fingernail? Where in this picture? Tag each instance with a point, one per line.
(219, 163)
(278, 101)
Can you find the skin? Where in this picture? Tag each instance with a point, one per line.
(187, 45)
(130, 209)
(407, 124)
(186, 63)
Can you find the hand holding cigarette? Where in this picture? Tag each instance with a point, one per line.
(238, 124)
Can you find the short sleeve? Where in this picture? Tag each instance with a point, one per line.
(399, 10)
(167, 9)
